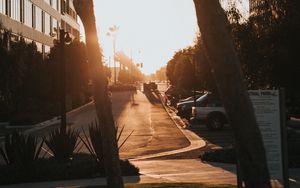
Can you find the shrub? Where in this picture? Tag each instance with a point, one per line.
(94, 142)
(21, 150)
(82, 166)
(62, 144)
(226, 155)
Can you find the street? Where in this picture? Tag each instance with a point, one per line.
(153, 129)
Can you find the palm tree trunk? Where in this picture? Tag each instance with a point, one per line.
(226, 69)
(85, 10)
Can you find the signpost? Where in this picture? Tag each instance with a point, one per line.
(270, 115)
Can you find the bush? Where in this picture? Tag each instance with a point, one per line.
(81, 166)
(62, 144)
(21, 152)
(94, 142)
(227, 155)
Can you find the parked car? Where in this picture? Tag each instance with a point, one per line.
(184, 108)
(151, 86)
(191, 98)
(210, 108)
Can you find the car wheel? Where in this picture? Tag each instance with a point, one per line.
(215, 122)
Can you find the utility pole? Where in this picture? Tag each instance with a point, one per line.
(63, 120)
(112, 31)
(115, 67)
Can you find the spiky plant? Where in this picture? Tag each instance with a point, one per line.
(94, 142)
(21, 149)
(62, 144)
(7, 151)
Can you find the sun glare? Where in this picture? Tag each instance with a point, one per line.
(149, 31)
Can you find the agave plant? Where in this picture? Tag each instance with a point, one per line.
(62, 144)
(21, 149)
(7, 151)
(93, 142)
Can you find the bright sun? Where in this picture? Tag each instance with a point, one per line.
(150, 31)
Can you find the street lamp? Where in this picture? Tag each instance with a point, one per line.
(64, 38)
(112, 31)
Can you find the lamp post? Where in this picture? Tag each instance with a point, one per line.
(112, 31)
(64, 38)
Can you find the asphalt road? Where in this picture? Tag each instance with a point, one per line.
(153, 129)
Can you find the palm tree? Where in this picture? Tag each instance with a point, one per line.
(226, 68)
(85, 10)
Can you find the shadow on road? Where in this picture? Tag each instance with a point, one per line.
(120, 100)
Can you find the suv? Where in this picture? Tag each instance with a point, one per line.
(209, 108)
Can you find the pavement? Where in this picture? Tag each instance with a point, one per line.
(154, 168)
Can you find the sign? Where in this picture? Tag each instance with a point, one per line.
(266, 104)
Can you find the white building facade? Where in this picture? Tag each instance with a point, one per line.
(38, 21)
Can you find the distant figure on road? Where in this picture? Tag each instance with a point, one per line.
(132, 93)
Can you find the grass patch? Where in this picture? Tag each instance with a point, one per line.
(170, 185)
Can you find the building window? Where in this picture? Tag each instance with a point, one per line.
(39, 47)
(3, 6)
(54, 26)
(54, 4)
(47, 50)
(28, 13)
(38, 19)
(47, 24)
(15, 9)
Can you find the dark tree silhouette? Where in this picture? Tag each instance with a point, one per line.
(226, 69)
(85, 10)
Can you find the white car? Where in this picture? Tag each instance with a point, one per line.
(209, 108)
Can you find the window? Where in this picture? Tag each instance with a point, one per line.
(54, 27)
(47, 50)
(38, 19)
(39, 47)
(55, 4)
(3, 6)
(16, 9)
(47, 24)
(28, 13)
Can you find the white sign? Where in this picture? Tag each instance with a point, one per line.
(267, 110)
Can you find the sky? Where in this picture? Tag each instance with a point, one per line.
(150, 31)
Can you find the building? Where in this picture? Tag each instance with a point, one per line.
(38, 21)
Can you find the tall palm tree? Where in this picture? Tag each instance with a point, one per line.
(85, 10)
(226, 69)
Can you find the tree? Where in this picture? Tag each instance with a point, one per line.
(226, 69)
(85, 10)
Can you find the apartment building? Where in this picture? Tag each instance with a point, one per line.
(38, 21)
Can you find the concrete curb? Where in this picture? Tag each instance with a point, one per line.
(195, 141)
